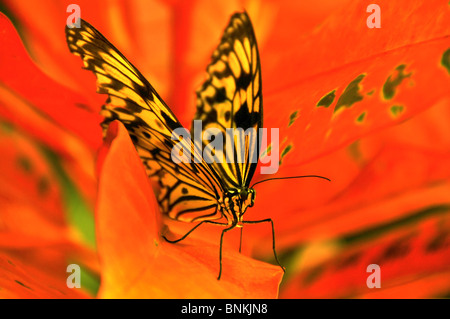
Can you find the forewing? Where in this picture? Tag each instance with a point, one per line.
(231, 97)
(187, 191)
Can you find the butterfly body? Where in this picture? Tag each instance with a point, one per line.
(234, 203)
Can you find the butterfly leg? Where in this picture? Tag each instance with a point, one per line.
(240, 241)
(220, 253)
(221, 239)
(194, 228)
(273, 236)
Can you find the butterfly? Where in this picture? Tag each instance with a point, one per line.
(230, 97)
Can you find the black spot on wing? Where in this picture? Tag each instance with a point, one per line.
(244, 119)
(155, 152)
(134, 139)
(221, 95)
(244, 80)
(168, 143)
(170, 122)
(211, 117)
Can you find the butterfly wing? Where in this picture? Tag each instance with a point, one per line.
(231, 97)
(187, 191)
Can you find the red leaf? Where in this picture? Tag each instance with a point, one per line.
(42, 100)
(126, 24)
(19, 280)
(381, 178)
(27, 181)
(346, 80)
(411, 259)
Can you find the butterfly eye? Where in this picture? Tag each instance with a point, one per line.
(253, 196)
(250, 198)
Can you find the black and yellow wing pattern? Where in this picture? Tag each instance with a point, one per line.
(231, 97)
(188, 191)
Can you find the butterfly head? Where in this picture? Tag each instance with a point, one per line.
(237, 200)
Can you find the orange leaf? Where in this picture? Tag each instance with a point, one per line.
(327, 89)
(409, 257)
(126, 24)
(19, 280)
(42, 100)
(26, 180)
(380, 178)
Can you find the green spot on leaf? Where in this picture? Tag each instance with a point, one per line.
(371, 92)
(286, 150)
(22, 284)
(327, 99)
(361, 117)
(391, 83)
(313, 275)
(43, 185)
(354, 150)
(25, 164)
(351, 94)
(445, 61)
(396, 110)
(266, 151)
(292, 118)
(6, 127)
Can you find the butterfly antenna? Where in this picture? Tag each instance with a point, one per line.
(290, 177)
